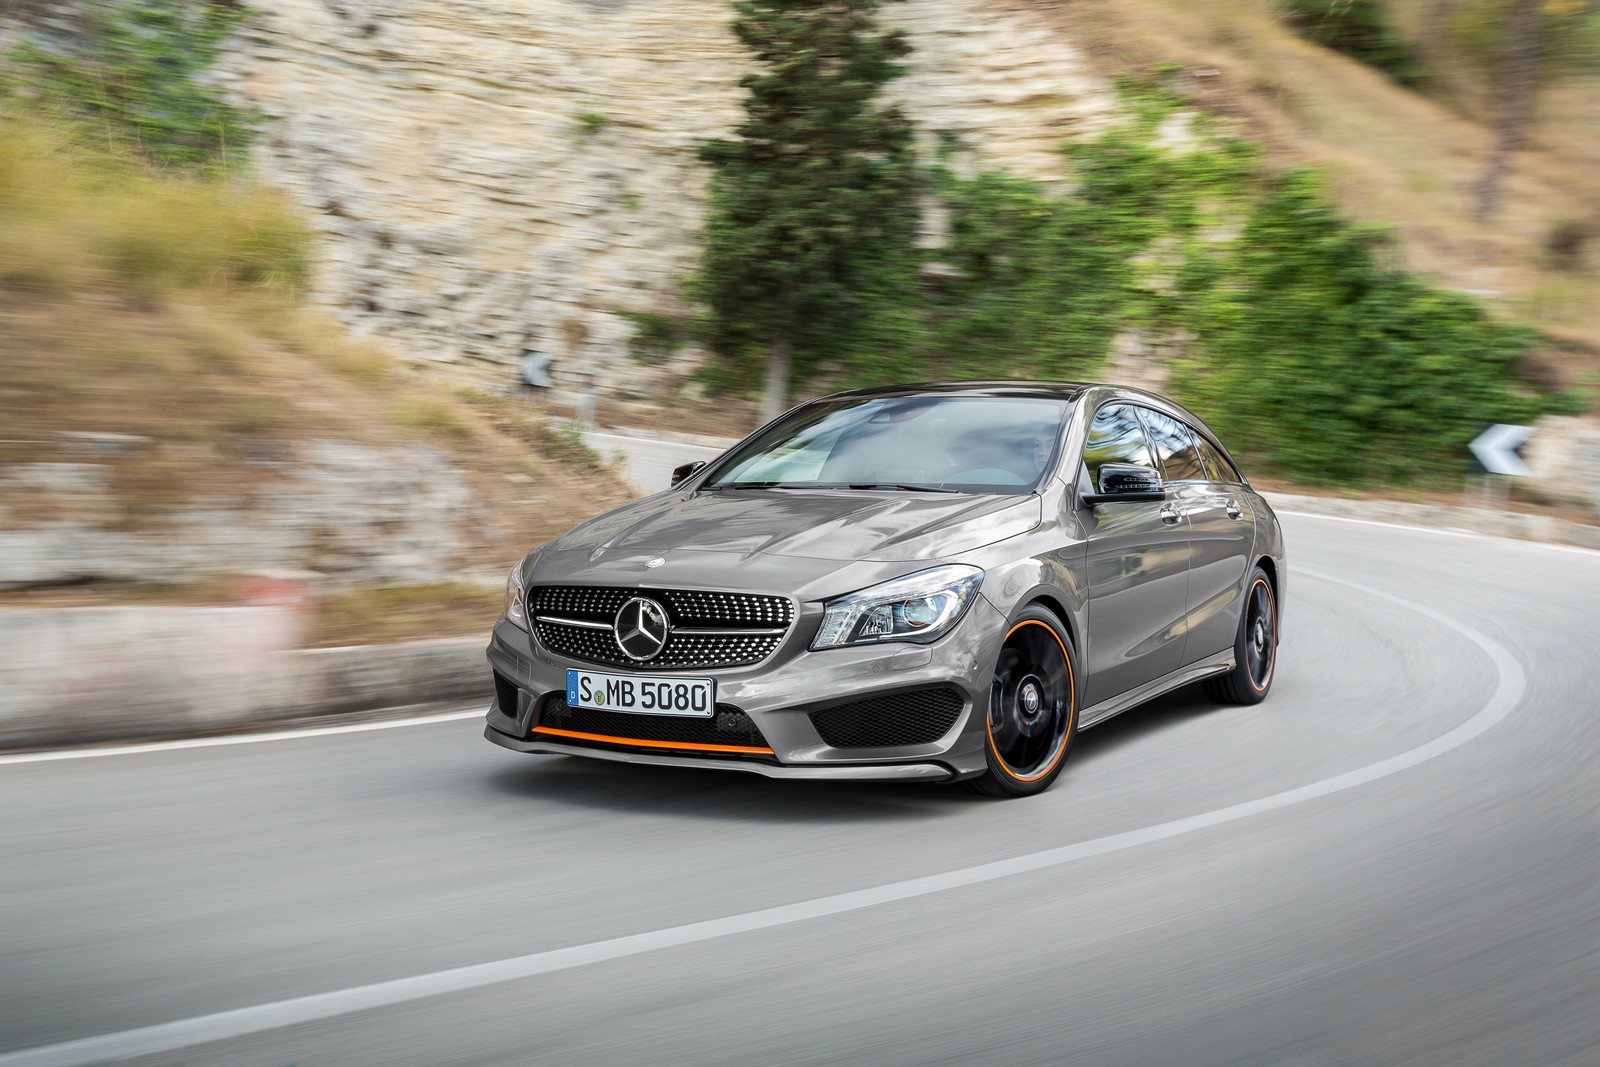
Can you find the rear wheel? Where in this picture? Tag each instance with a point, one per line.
(1255, 650)
(1032, 716)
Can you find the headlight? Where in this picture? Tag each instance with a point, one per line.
(919, 607)
(516, 604)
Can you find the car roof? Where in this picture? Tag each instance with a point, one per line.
(1015, 388)
(998, 388)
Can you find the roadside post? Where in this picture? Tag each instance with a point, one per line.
(587, 401)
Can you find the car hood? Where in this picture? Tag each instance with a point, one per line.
(818, 524)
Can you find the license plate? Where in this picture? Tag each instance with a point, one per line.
(693, 697)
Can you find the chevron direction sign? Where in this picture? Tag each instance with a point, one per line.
(535, 367)
(1496, 449)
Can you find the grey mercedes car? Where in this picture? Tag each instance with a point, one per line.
(934, 582)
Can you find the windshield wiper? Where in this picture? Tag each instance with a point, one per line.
(909, 487)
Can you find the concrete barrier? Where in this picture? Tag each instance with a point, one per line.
(83, 675)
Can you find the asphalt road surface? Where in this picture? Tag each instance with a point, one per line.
(1394, 860)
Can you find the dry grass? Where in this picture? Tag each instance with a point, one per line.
(72, 217)
(1396, 157)
(218, 408)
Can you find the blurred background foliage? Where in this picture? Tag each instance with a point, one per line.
(134, 76)
(1361, 29)
(852, 249)
(1296, 336)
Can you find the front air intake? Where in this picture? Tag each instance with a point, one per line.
(505, 696)
(917, 717)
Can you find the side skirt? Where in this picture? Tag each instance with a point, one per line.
(1220, 663)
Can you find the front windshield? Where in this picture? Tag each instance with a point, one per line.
(934, 444)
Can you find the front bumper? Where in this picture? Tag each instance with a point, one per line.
(780, 695)
(924, 772)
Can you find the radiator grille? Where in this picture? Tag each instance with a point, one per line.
(729, 728)
(919, 717)
(743, 615)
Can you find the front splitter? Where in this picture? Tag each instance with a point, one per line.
(870, 772)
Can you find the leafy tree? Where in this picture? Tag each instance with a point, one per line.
(133, 78)
(1041, 282)
(810, 242)
(1530, 42)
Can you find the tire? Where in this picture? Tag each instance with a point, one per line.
(1255, 649)
(1031, 718)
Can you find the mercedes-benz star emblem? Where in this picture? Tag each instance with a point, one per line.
(641, 627)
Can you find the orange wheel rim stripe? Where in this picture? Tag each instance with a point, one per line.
(1072, 713)
(684, 745)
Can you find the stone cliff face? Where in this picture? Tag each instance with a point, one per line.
(494, 174)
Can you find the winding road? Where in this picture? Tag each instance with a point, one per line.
(1394, 860)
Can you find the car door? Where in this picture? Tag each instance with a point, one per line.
(1221, 531)
(1138, 567)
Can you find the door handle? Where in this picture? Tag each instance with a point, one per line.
(1170, 515)
(1234, 511)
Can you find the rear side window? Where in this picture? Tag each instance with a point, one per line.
(1216, 463)
(1180, 460)
(1115, 436)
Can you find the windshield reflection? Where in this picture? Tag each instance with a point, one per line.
(910, 444)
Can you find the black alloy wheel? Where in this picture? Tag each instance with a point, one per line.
(1255, 649)
(1032, 716)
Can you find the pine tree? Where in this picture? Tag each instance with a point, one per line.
(813, 201)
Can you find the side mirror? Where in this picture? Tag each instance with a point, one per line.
(685, 471)
(1125, 483)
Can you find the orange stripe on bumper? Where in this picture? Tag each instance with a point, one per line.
(749, 749)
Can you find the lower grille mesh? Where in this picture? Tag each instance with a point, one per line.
(729, 727)
(919, 717)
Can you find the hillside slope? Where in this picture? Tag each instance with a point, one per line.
(174, 416)
(1397, 157)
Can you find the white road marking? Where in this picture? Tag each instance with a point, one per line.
(238, 739)
(1470, 534)
(222, 1026)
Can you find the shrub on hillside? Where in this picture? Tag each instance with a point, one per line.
(1360, 29)
(1331, 367)
(133, 78)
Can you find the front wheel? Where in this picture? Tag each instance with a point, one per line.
(1032, 716)
(1255, 649)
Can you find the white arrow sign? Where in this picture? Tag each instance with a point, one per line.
(1496, 448)
(536, 369)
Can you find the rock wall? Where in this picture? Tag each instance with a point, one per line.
(495, 174)
(357, 514)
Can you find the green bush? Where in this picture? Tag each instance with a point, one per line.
(132, 80)
(1042, 281)
(1329, 366)
(1360, 29)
